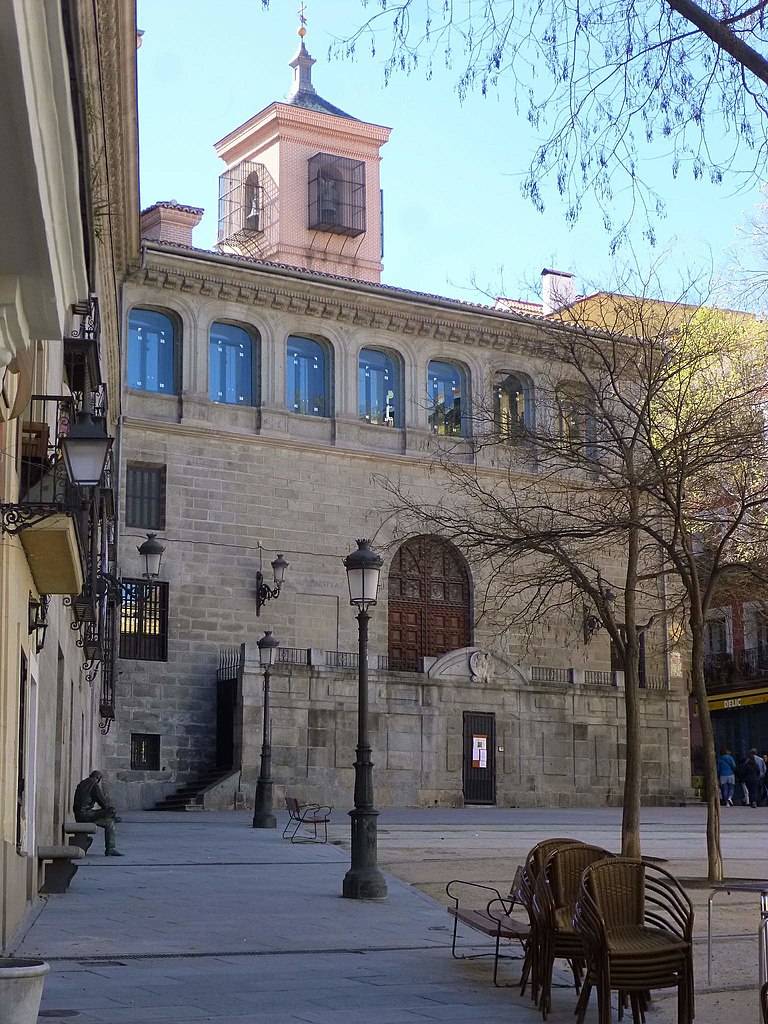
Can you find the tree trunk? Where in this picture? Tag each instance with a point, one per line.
(711, 789)
(630, 819)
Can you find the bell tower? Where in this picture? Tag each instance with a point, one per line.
(301, 184)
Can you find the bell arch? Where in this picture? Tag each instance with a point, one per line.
(430, 602)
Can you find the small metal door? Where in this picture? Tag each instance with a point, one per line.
(479, 758)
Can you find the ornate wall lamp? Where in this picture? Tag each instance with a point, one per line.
(37, 612)
(264, 592)
(592, 623)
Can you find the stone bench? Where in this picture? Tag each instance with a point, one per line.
(59, 866)
(80, 833)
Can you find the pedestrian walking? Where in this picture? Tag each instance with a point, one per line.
(726, 774)
(753, 770)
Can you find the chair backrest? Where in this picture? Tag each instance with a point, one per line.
(617, 886)
(564, 868)
(292, 805)
(534, 863)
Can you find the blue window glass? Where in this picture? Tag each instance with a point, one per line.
(151, 357)
(306, 378)
(445, 388)
(378, 388)
(230, 365)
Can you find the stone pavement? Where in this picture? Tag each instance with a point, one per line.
(206, 919)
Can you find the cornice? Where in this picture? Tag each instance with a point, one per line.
(334, 302)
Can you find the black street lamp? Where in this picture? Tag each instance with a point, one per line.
(151, 552)
(85, 449)
(363, 881)
(262, 804)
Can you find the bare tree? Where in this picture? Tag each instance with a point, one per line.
(601, 82)
(649, 440)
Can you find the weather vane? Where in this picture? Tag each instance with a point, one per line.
(303, 21)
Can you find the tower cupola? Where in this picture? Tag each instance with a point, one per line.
(302, 183)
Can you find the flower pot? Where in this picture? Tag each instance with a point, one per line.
(21, 988)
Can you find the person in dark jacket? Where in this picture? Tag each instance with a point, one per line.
(90, 805)
(752, 776)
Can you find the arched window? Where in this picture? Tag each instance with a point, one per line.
(253, 203)
(306, 377)
(230, 365)
(576, 413)
(429, 600)
(512, 400)
(151, 352)
(378, 388)
(446, 391)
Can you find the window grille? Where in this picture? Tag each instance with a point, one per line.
(336, 194)
(145, 752)
(144, 621)
(145, 496)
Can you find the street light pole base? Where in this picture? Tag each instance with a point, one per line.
(364, 884)
(262, 805)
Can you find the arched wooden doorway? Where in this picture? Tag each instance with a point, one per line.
(429, 602)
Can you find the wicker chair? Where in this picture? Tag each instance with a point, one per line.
(534, 864)
(636, 923)
(554, 902)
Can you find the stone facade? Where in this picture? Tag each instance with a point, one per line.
(306, 486)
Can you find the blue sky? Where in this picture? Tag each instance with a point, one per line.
(451, 171)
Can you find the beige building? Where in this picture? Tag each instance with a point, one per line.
(68, 144)
(269, 387)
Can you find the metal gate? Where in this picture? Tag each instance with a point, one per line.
(479, 774)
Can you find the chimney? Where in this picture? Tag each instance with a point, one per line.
(170, 222)
(558, 289)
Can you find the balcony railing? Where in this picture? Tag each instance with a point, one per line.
(725, 670)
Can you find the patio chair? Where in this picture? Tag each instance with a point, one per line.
(554, 902)
(636, 923)
(534, 863)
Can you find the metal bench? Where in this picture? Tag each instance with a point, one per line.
(493, 920)
(306, 816)
(80, 833)
(58, 866)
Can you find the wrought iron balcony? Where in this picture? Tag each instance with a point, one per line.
(44, 485)
(726, 670)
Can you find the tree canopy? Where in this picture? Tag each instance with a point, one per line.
(602, 82)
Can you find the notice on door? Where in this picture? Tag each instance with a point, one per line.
(479, 751)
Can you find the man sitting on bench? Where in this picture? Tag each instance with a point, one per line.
(90, 804)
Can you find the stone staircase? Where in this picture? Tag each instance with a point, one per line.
(189, 797)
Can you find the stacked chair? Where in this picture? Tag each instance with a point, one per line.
(636, 926)
(554, 902)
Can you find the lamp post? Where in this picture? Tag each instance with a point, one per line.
(363, 881)
(151, 552)
(262, 804)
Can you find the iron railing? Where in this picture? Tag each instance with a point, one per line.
(293, 656)
(144, 620)
(726, 669)
(229, 663)
(548, 674)
(597, 678)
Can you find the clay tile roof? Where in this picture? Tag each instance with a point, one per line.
(172, 204)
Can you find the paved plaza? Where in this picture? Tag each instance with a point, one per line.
(205, 919)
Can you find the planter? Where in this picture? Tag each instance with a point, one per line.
(21, 988)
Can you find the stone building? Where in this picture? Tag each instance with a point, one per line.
(69, 227)
(269, 386)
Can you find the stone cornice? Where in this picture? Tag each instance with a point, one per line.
(346, 304)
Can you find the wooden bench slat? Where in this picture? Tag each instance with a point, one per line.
(491, 924)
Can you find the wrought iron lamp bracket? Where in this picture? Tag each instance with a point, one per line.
(264, 592)
(15, 518)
